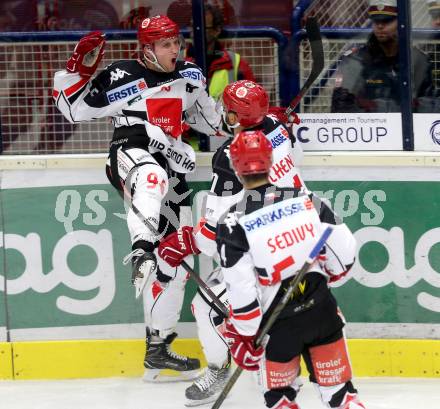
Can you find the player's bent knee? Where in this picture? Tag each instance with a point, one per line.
(150, 179)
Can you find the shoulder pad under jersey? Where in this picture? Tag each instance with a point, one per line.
(191, 72)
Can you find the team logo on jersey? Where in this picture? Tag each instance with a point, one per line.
(167, 114)
(278, 137)
(126, 90)
(193, 74)
(117, 75)
(435, 132)
(145, 22)
(241, 92)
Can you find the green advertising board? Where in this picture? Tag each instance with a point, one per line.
(63, 248)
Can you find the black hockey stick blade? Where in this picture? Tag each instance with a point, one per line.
(315, 40)
(293, 285)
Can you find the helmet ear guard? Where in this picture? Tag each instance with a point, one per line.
(251, 153)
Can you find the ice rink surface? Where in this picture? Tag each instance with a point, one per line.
(131, 393)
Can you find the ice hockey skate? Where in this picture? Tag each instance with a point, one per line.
(207, 387)
(164, 365)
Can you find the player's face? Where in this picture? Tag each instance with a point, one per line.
(231, 118)
(167, 51)
(385, 31)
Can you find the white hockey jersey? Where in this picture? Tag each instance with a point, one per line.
(226, 189)
(264, 240)
(131, 94)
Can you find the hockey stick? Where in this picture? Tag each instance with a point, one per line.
(314, 36)
(293, 285)
(189, 270)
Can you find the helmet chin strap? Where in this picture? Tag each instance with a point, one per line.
(153, 60)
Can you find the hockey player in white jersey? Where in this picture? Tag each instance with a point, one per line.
(147, 99)
(263, 241)
(245, 106)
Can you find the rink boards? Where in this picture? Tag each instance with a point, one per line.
(68, 309)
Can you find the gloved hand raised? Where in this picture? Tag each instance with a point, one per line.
(242, 348)
(280, 114)
(87, 54)
(178, 245)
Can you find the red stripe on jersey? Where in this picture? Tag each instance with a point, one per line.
(207, 233)
(75, 87)
(264, 281)
(202, 229)
(199, 226)
(247, 316)
(55, 93)
(156, 289)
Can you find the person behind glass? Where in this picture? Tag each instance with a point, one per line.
(434, 13)
(434, 48)
(367, 79)
(224, 66)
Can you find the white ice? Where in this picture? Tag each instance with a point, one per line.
(132, 393)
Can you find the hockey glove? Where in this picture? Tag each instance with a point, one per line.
(178, 245)
(242, 348)
(87, 54)
(280, 114)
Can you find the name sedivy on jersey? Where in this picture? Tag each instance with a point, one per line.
(126, 90)
(288, 209)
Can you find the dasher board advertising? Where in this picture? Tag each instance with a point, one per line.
(350, 132)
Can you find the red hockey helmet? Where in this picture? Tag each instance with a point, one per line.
(251, 153)
(248, 100)
(155, 28)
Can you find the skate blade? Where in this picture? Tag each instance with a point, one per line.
(168, 375)
(192, 403)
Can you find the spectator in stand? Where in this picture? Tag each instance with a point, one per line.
(132, 20)
(368, 78)
(224, 66)
(434, 48)
(434, 12)
(78, 15)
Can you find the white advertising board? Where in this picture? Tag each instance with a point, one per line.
(350, 132)
(426, 132)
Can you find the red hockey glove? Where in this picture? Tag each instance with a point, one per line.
(242, 348)
(87, 54)
(176, 246)
(280, 114)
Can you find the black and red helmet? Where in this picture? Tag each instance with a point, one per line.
(248, 100)
(251, 153)
(155, 28)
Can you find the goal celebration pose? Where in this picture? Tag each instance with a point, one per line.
(147, 98)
